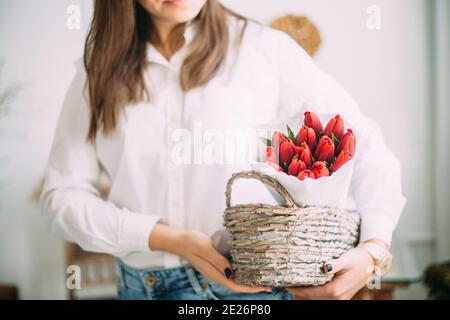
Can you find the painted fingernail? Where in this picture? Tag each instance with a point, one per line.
(328, 267)
(228, 272)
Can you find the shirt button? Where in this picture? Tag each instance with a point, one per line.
(151, 281)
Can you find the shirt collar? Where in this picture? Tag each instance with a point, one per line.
(154, 56)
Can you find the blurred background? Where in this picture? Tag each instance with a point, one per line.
(391, 55)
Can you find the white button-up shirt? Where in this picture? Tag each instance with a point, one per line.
(168, 158)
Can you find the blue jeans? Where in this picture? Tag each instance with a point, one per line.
(182, 283)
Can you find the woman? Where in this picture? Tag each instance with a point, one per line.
(155, 71)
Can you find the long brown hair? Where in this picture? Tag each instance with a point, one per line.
(115, 55)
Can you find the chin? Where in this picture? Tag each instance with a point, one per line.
(180, 17)
(180, 11)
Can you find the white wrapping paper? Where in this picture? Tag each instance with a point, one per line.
(331, 191)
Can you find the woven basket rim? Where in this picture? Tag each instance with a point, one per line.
(259, 205)
(280, 206)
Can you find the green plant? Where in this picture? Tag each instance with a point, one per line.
(437, 279)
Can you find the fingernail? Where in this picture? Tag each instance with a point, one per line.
(269, 290)
(328, 267)
(228, 272)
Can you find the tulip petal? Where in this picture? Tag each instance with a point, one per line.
(313, 121)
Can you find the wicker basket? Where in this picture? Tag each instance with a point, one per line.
(285, 245)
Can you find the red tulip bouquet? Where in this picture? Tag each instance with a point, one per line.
(315, 165)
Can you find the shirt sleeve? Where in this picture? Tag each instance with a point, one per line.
(376, 181)
(70, 201)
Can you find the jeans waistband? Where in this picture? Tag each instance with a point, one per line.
(165, 275)
(177, 283)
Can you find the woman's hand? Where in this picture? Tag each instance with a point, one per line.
(199, 251)
(352, 272)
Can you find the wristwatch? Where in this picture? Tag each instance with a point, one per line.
(381, 255)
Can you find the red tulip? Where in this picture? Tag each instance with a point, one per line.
(297, 149)
(292, 144)
(307, 135)
(313, 121)
(304, 154)
(271, 155)
(296, 166)
(341, 159)
(348, 143)
(335, 127)
(325, 150)
(320, 169)
(275, 166)
(302, 175)
(286, 153)
(277, 139)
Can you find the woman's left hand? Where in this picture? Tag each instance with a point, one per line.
(352, 272)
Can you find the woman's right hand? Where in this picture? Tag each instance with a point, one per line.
(198, 250)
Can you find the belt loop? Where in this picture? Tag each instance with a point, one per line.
(120, 273)
(194, 280)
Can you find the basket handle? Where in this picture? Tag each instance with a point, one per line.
(265, 179)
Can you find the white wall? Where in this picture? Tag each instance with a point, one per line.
(40, 52)
(386, 70)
